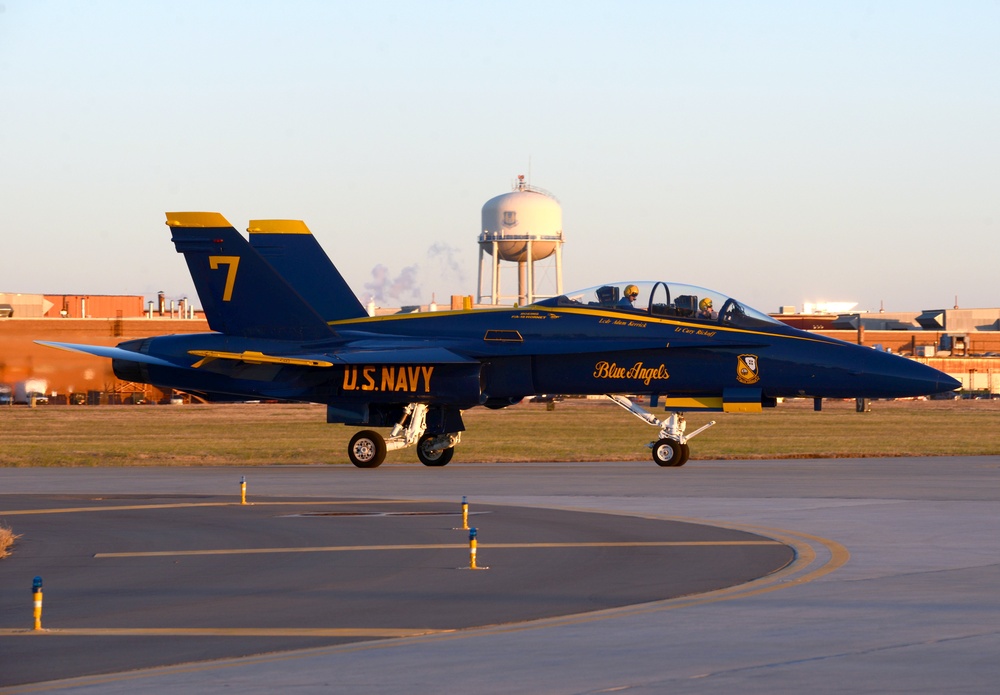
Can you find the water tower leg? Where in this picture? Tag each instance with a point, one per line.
(479, 283)
(529, 294)
(559, 285)
(521, 283)
(496, 273)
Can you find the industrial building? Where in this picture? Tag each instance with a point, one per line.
(58, 376)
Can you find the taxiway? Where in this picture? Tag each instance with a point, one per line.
(893, 587)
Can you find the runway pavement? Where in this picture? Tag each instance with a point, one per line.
(893, 588)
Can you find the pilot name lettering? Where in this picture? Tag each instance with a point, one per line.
(621, 322)
(610, 370)
(694, 331)
(415, 379)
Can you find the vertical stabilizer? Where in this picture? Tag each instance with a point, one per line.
(294, 253)
(241, 293)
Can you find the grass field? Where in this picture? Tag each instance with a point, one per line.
(259, 434)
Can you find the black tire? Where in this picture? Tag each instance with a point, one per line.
(433, 458)
(367, 449)
(685, 455)
(667, 452)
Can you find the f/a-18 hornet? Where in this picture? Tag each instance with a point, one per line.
(286, 326)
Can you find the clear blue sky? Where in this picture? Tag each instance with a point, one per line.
(779, 152)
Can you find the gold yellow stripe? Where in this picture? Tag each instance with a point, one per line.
(183, 505)
(742, 407)
(252, 357)
(433, 546)
(692, 403)
(557, 312)
(278, 227)
(196, 219)
(230, 631)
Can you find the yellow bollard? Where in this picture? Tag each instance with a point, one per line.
(473, 543)
(472, 550)
(243, 489)
(465, 514)
(36, 589)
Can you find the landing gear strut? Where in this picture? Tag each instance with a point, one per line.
(671, 449)
(368, 448)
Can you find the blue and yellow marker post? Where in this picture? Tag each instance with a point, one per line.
(473, 546)
(465, 516)
(243, 489)
(36, 590)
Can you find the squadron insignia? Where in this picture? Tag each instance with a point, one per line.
(747, 369)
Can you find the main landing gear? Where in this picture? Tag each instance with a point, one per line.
(671, 449)
(368, 448)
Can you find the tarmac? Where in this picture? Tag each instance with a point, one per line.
(888, 582)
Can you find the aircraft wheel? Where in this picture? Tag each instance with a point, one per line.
(685, 455)
(367, 449)
(667, 453)
(433, 458)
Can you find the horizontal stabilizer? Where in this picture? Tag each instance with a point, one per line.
(113, 353)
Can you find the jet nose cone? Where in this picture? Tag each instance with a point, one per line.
(922, 380)
(948, 384)
(886, 375)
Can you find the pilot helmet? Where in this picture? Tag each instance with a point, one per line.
(705, 304)
(631, 291)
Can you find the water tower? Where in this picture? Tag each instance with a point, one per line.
(523, 226)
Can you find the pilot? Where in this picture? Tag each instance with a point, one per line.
(628, 299)
(705, 309)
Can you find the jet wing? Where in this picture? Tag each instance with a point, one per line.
(113, 353)
(397, 355)
(254, 357)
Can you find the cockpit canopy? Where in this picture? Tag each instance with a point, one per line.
(667, 300)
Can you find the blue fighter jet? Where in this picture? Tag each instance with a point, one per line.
(286, 326)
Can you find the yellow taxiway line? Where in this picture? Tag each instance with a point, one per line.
(430, 546)
(378, 632)
(183, 505)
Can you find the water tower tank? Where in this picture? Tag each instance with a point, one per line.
(513, 218)
(522, 227)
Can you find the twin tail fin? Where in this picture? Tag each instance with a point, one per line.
(241, 293)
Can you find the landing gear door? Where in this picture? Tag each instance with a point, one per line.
(659, 300)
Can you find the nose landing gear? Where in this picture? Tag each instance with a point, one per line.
(671, 449)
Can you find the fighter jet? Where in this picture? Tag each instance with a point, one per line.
(286, 326)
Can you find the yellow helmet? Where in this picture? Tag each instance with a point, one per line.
(705, 304)
(631, 291)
